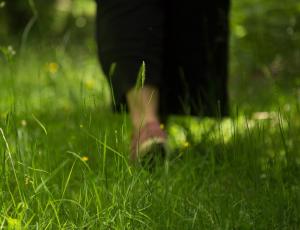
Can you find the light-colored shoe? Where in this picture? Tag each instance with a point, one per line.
(148, 142)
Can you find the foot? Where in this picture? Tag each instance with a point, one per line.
(148, 143)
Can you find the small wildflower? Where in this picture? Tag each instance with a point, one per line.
(28, 180)
(90, 84)
(84, 158)
(8, 51)
(162, 126)
(186, 144)
(13, 223)
(11, 51)
(23, 123)
(52, 67)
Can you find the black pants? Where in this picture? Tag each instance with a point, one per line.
(184, 45)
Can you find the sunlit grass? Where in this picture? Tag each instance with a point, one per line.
(64, 159)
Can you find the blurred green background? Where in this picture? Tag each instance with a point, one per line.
(265, 43)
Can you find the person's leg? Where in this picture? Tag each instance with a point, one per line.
(197, 58)
(130, 33)
(143, 106)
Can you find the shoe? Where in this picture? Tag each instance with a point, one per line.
(148, 143)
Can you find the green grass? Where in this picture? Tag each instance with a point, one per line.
(64, 159)
(64, 155)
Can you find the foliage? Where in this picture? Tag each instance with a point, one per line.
(63, 154)
(43, 19)
(265, 50)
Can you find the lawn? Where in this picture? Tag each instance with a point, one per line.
(64, 155)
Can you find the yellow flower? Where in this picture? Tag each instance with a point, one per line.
(52, 67)
(14, 223)
(23, 123)
(90, 84)
(84, 158)
(162, 126)
(186, 144)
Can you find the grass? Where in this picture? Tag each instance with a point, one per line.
(64, 155)
(64, 160)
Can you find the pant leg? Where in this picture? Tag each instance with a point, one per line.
(197, 58)
(128, 33)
